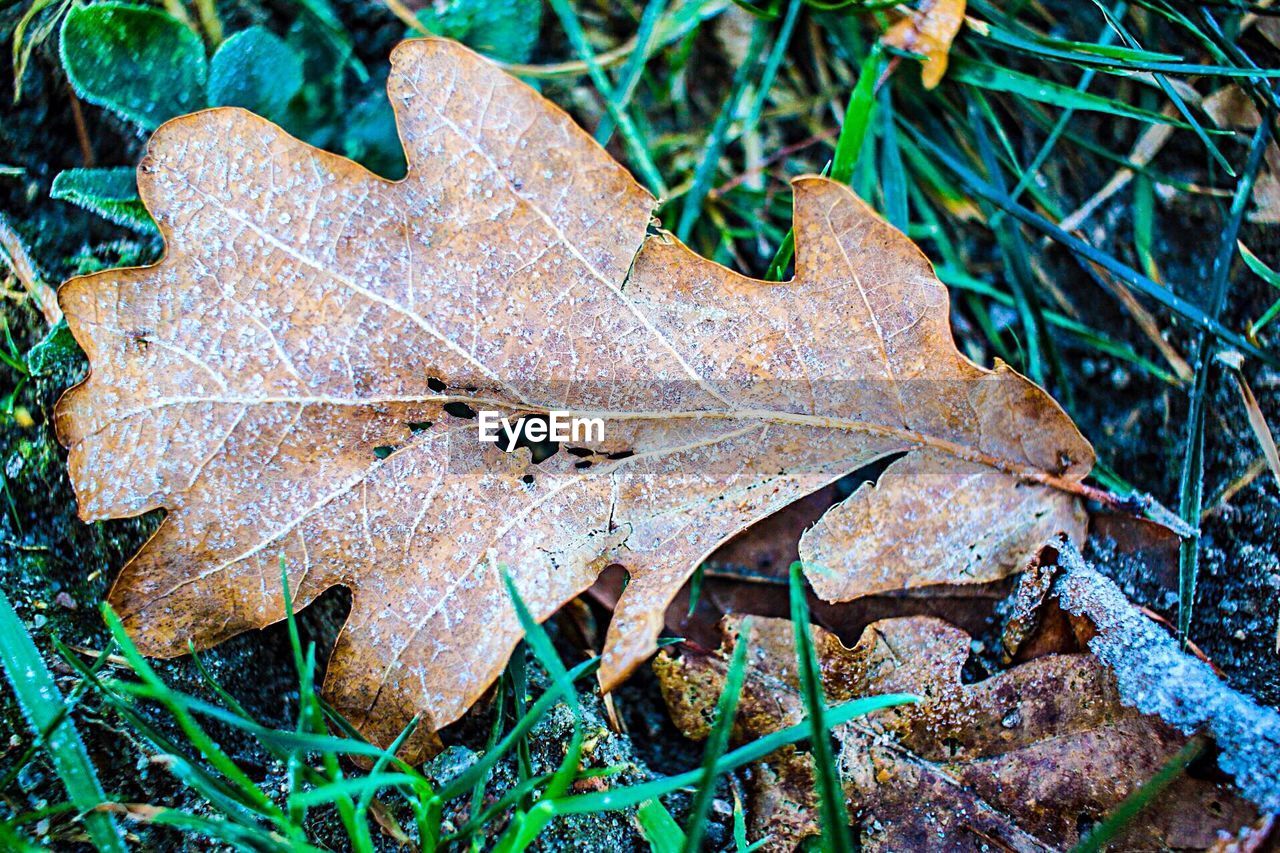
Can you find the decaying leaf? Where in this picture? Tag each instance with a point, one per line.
(1024, 760)
(929, 30)
(1231, 106)
(1250, 839)
(297, 380)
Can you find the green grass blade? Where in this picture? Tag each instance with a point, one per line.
(893, 175)
(72, 700)
(360, 816)
(491, 743)
(1123, 814)
(961, 280)
(199, 739)
(637, 149)
(1255, 264)
(1267, 316)
(772, 63)
(782, 258)
(305, 742)
(1109, 58)
(237, 836)
(311, 717)
(835, 818)
(718, 740)
(1144, 199)
(853, 131)
(291, 620)
(717, 139)
(1172, 94)
(996, 78)
(42, 704)
(695, 588)
(526, 827)
(1014, 258)
(1157, 292)
(356, 786)
(1191, 482)
(660, 828)
(509, 798)
(739, 824)
(635, 795)
(1029, 174)
(518, 679)
(646, 41)
(857, 118)
(1230, 50)
(464, 781)
(206, 784)
(14, 842)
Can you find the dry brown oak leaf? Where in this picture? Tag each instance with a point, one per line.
(280, 382)
(1025, 760)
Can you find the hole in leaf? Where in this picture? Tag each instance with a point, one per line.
(460, 410)
(541, 451)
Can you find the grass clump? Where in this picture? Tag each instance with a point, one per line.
(330, 767)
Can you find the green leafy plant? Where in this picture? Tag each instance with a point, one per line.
(110, 193)
(136, 61)
(507, 30)
(147, 66)
(256, 70)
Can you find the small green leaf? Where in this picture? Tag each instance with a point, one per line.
(324, 21)
(256, 70)
(371, 139)
(57, 348)
(324, 56)
(138, 62)
(110, 193)
(506, 30)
